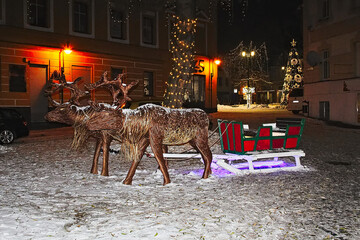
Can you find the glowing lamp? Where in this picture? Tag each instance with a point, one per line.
(243, 54)
(217, 61)
(252, 53)
(67, 50)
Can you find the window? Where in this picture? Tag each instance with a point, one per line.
(117, 22)
(325, 9)
(148, 84)
(149, 29)
(39, 14)
(2, 11)
(198, 89)
(17, 81)
(115, 72)
(357, 59)
(82, 17)
(325, 65)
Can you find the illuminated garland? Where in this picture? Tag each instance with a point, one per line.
(182, 48)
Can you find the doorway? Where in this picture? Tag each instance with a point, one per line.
(38, 77)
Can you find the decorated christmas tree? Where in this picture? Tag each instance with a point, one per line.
(294, 74)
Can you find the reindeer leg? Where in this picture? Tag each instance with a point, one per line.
(106, 140)
(156, 146)
(144, 143)
(94, 167)
(200, 144)
(165, 150)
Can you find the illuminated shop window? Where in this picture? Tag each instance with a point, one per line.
(148, 84)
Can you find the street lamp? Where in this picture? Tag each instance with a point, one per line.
(217, 62)
(67, 50)
(248, 91)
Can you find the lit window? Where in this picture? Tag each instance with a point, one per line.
(17, 81)
(149, 29)
(148, 84)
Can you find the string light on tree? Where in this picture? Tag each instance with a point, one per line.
(181, 48)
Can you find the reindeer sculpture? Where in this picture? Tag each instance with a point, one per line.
(71, 113)
(155, 126)
(137, 129)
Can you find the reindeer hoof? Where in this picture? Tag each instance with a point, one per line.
(105, 174)
(166, 182)
(127, 182)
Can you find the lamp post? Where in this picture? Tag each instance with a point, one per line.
(67, 50)
(217, 62)
(248, 91)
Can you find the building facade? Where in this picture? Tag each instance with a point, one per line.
(112, 36)
(332, 59)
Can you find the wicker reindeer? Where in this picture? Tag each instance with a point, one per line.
(136, 129)
(155, 126)
(71, 113)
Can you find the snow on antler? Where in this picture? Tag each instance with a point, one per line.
(75, 92)
(116, 87)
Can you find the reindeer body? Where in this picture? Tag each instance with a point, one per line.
(157, 126)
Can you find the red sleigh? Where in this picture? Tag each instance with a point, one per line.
(271, 141)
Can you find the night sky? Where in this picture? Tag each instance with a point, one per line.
(275, 22)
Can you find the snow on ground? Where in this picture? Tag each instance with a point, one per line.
(252, 107)
(47, 192)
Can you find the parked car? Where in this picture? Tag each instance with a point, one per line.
(296, 99)
(12, 125)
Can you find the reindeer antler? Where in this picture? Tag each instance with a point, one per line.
(115, 86)
(75, 92)
(125, 90)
